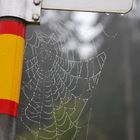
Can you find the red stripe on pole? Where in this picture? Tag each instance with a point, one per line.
(12, 35)
(8, 107)
(12, 27)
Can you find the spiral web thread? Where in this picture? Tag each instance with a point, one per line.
(55, 89)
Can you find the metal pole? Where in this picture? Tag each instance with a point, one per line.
(12, 41)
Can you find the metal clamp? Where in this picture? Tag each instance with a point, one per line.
(29, 10)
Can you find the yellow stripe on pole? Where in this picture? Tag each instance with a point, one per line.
(11, 60)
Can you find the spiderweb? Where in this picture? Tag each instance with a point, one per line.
(56, 89)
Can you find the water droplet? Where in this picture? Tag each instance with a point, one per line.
(107, 14)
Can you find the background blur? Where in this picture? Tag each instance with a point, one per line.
(81, 77)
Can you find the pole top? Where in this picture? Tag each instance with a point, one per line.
(29, 10)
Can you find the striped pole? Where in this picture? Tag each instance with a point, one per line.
(12, 40)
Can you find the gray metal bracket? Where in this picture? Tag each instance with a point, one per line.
(29, 10)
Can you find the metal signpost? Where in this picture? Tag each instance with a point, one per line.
(14, 15)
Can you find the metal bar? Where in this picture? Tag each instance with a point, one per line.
(12, 40)
(113, 6)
